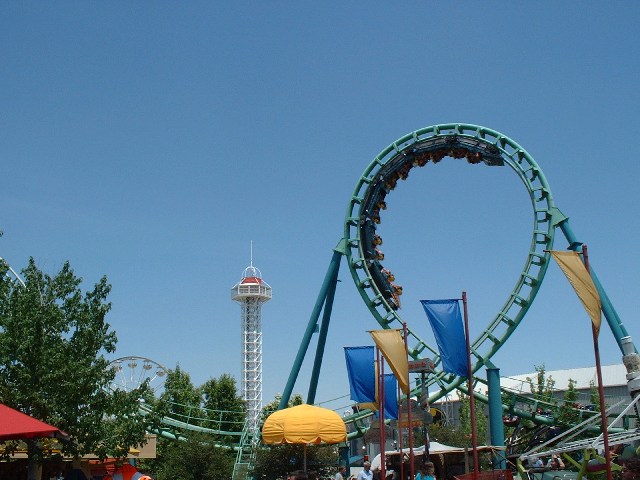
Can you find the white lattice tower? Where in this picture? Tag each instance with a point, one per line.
(251, 292)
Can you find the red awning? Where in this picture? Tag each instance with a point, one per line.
(15, 425)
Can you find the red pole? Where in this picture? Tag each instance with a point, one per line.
(400, 434)
(383, 461)
(603, 415)
(472, 403)
(409, 418)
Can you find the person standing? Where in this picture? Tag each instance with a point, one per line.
(429, 471)
(342, 473)
(366, 473)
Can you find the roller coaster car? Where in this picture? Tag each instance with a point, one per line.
(390, 276)
(403, 171)
(390, 183)
(474, 157)
(420, 160)
(384, 286)
(510, 420)
(394, 301)
(476, 150)
(368, 236)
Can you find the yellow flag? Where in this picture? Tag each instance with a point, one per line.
(578, 276)
(391, 344)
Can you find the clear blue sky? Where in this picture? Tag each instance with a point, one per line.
(152, 141)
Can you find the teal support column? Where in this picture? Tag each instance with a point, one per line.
(495, 415)
(324, 328)
(343, 453)
(334, 266)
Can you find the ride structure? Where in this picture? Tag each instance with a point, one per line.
(251, 292)
(376, 285)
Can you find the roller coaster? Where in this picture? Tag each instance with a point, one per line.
(361, 244)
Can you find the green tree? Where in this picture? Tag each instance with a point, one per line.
(568, 413)
(52, 366)
(594, 396)
(482, 425)
(543, 387)
(224, 407)
(215, 405)
(195, 458)
(460, 435)
(180, 398)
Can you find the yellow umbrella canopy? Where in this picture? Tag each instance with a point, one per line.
(304, 424)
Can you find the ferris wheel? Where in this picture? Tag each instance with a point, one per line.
(132, 372)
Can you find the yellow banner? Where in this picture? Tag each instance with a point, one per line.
(572, 266)
(391, 344)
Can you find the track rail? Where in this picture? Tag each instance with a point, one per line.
(478, 145)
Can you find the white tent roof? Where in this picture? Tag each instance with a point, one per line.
(435, 448)
(612, 375)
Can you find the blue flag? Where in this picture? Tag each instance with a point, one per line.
(362, 373)
(446, 323)
(390, 396)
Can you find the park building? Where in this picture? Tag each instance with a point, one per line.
(585, 381)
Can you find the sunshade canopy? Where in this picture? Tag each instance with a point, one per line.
(304, 424)
(15, 425)
(435, 448)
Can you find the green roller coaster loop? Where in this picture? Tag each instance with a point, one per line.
(416, 150)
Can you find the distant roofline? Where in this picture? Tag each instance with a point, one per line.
(612, 376)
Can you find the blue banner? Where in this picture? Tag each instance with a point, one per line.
(390, 396)
(446, 323)
(362, 373)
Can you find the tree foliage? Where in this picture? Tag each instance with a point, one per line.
(195, 458)
(181, 399)
(543, 386)
(460, 435)
(223, 405)
(53, 338)
(216, 406)
(568, 413)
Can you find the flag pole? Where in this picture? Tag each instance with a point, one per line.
(409, 417)
(383, 460)
(472, 403)
(603, 414)
(400, 431)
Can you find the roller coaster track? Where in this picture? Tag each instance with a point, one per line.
(478, 145)
(176, 426)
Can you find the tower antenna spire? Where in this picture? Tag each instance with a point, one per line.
(251, 253)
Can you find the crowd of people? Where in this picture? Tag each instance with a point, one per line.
(628, 466)
(427, 472)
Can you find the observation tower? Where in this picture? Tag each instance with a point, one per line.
(251, 292)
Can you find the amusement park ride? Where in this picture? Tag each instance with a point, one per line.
(359, 245)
